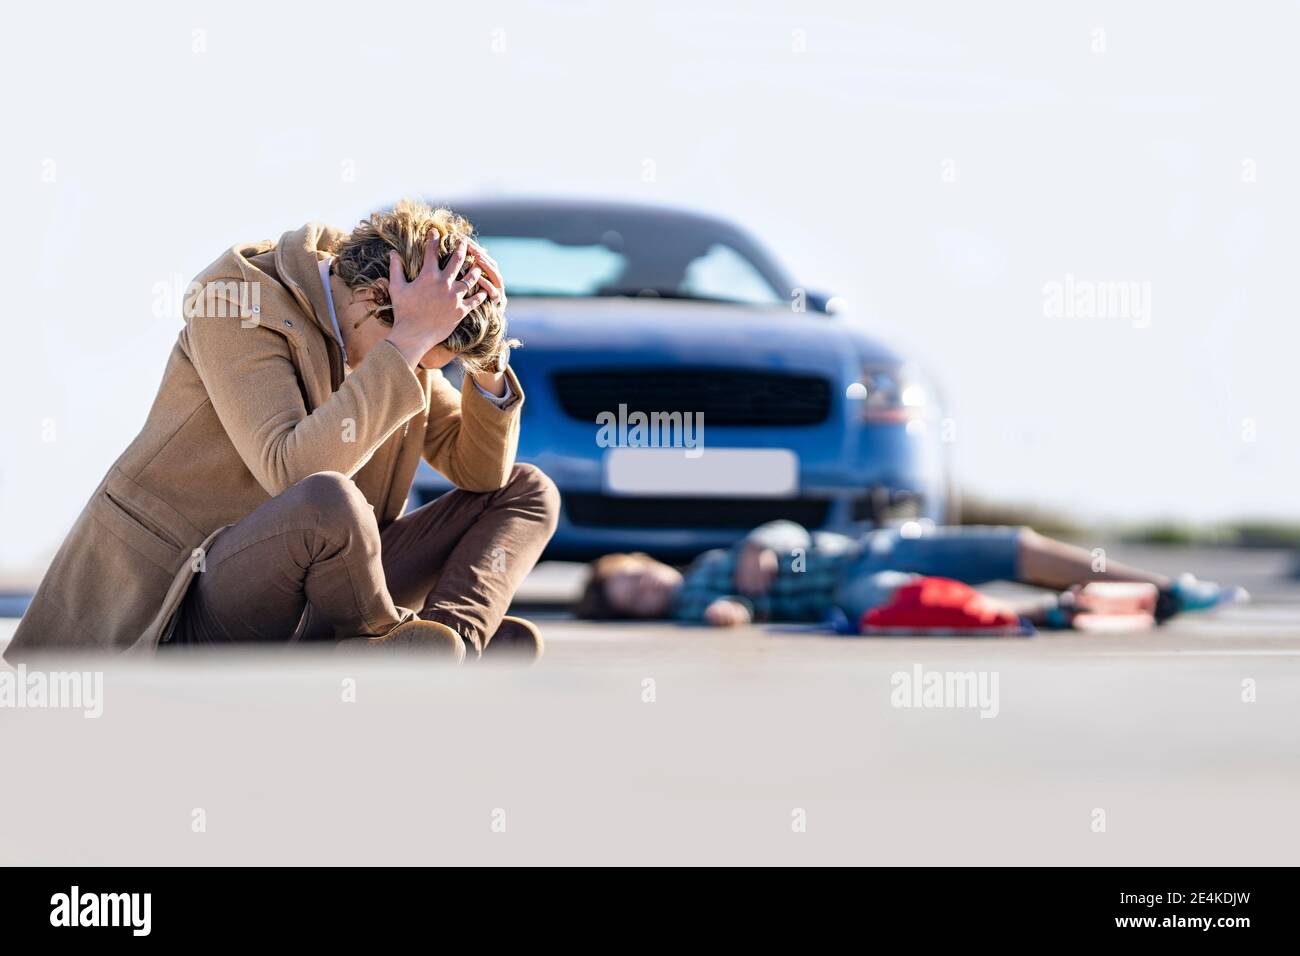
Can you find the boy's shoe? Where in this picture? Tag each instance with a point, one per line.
(515, 638)
(416, 636)
(1189, 594)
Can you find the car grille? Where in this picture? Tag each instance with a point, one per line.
(595, 510)
(722, 396)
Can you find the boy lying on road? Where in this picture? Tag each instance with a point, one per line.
(781, 572)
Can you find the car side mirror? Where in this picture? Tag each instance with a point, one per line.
(823, 302)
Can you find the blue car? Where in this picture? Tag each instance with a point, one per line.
(755, 401)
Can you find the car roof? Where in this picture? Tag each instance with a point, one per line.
(607, 207)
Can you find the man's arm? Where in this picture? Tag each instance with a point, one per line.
(469, 438)
(253, 386)
(493, 383)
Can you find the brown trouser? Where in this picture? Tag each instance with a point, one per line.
(317, 548)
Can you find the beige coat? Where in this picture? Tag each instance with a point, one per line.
(253, 399)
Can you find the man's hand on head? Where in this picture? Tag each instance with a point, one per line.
(491, 282)
(427, 309)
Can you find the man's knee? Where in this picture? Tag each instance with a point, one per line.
(531, 482)
(330, 493)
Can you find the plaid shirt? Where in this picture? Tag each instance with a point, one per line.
(808, 571)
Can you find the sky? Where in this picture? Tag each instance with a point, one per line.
(951, 170)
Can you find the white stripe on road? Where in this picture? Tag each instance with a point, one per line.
(1242, 653)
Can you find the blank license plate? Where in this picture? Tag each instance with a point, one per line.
(717, 472)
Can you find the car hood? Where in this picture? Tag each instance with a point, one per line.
(690, 330)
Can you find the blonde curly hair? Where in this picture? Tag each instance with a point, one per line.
(361, 261)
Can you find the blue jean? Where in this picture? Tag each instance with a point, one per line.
(885, 560)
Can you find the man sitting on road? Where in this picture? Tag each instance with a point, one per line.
(262, 501)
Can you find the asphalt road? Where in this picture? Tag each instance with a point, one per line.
(640, 743)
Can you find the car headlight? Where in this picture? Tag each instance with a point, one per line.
(889, 393)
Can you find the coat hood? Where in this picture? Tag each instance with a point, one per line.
(288, 268)
(297, 264)
(269, 282)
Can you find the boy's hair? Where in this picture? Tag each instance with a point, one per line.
(362, 261)
(594, 605)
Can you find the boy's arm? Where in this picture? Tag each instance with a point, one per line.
(758, 555)
(728, 612)
(707, 582)
(723, 611)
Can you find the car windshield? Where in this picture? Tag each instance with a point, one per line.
(583, 253)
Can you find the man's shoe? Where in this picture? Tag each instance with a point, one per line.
(515, 638)
(415, 636)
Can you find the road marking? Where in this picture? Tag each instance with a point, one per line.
(1241, 653)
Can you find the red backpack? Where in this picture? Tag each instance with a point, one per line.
(940, 606)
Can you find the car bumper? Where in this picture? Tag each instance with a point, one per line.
(593, 522)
